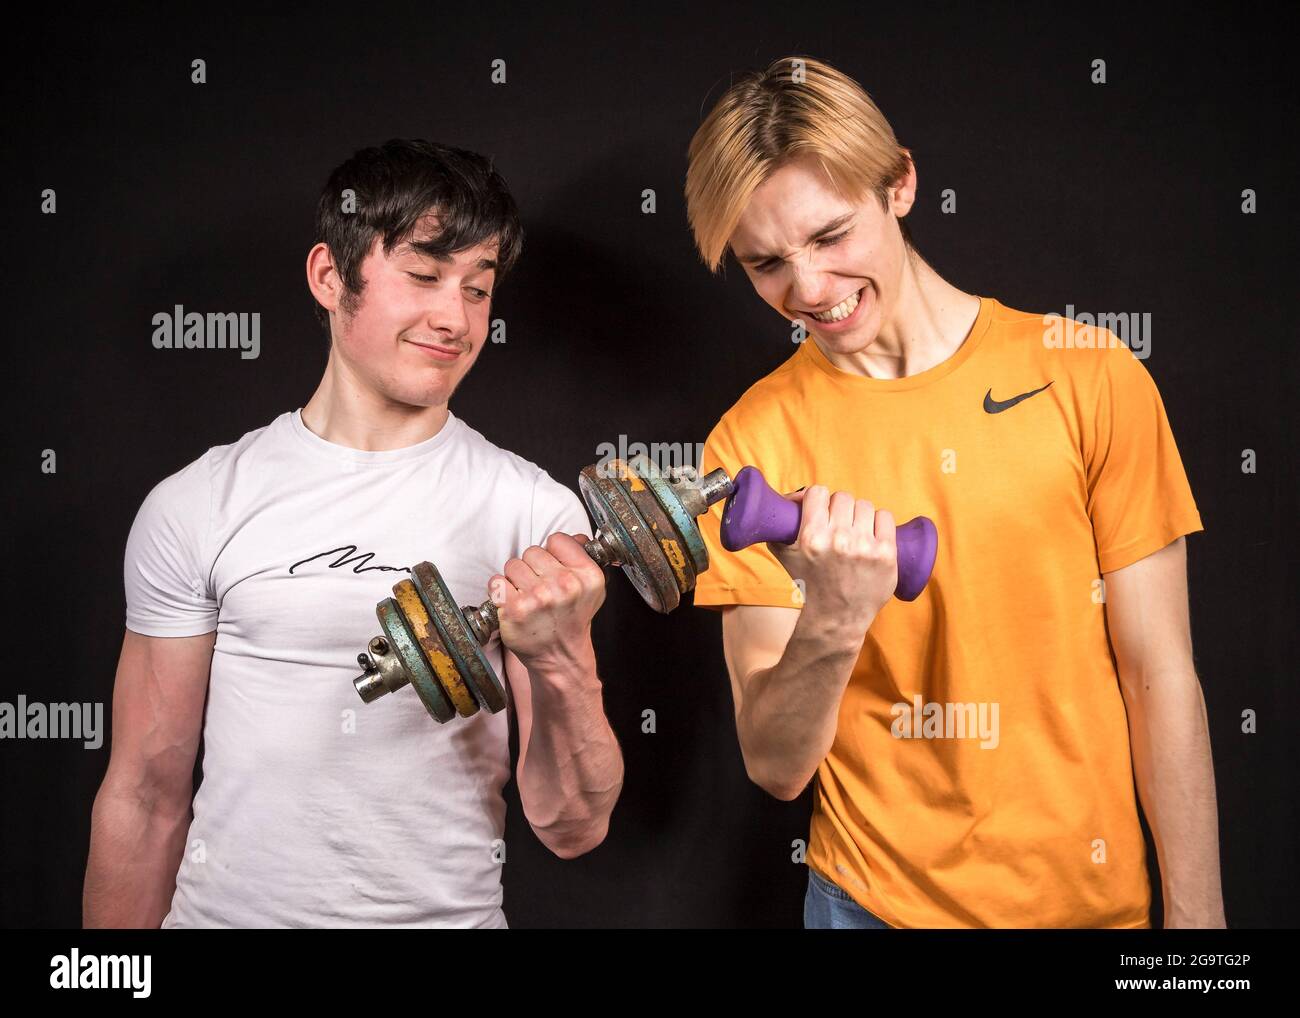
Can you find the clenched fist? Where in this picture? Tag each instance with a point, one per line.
(845, 556)
(547, 598)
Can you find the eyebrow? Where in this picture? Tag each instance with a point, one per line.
(831, 227)
(407, 248)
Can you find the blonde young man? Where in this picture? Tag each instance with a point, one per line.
(974, 750)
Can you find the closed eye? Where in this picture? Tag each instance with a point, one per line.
(768, 266)
(481, 294)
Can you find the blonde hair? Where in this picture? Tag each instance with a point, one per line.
(798, 106)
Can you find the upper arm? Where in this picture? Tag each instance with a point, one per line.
(1147, 615)
(1140, 505)
(753, 638)
(171, 620)
(158, 698)
(1139, 499)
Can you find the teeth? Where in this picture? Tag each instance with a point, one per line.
(839, 311)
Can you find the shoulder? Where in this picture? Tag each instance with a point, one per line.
(1087, 352)
(501, 465)
(259, 443)
(182, 495)
(186, 494)
(767, 400)
(545, 504)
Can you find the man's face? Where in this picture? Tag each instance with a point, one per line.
(806, 249)
(420, 323)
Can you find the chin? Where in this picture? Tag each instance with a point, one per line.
(424, 398)
(849, 342)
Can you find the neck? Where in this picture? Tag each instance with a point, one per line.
(347, 412)
(926, 325)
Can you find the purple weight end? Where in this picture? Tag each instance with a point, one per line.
(917, 543)
(755, 512)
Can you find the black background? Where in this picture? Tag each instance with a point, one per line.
(1121, 197)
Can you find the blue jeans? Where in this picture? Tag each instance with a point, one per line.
(828, 906)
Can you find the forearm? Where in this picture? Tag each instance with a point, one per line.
(787, 720)
(571, 771)
(1174, 773)
(135, 851)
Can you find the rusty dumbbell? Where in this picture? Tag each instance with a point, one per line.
(645, 521)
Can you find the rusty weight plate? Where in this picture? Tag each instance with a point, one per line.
(458, 638)
(647, 504)
(683, 522)
(616, 515)
(435, 651)
(403, 642)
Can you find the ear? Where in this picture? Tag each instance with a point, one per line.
(322, 278)
(902, 194)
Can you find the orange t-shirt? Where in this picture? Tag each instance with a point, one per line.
(981, 772)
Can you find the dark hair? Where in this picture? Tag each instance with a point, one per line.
(396, 186)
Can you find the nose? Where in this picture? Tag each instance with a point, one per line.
(808, 286)
(446, 316)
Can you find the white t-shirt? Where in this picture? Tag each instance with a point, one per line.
(316, 809)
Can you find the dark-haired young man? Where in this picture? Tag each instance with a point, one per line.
(251, 577)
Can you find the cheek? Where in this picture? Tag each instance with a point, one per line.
(862, 258)
(770, 288)
(370, 331)
(470, 359)
(391, 301)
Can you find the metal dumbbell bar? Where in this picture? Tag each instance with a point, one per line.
(646, 525)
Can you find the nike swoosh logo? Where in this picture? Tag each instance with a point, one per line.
(996, 406)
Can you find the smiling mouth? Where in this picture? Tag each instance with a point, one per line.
(445, 351)
(838, 312)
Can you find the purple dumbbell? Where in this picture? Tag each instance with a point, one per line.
(755, 512)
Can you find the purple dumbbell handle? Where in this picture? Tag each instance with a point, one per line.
(755, 512)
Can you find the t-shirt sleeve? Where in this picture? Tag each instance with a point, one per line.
(167, 579)
(556, 509)
(1139, 499)
(752, 575)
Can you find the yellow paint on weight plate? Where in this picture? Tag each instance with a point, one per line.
(426, 635)
(626, 473)
(673, 552)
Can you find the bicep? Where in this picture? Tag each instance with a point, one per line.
(158, 698)
(753, 638)
(1147, 615)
